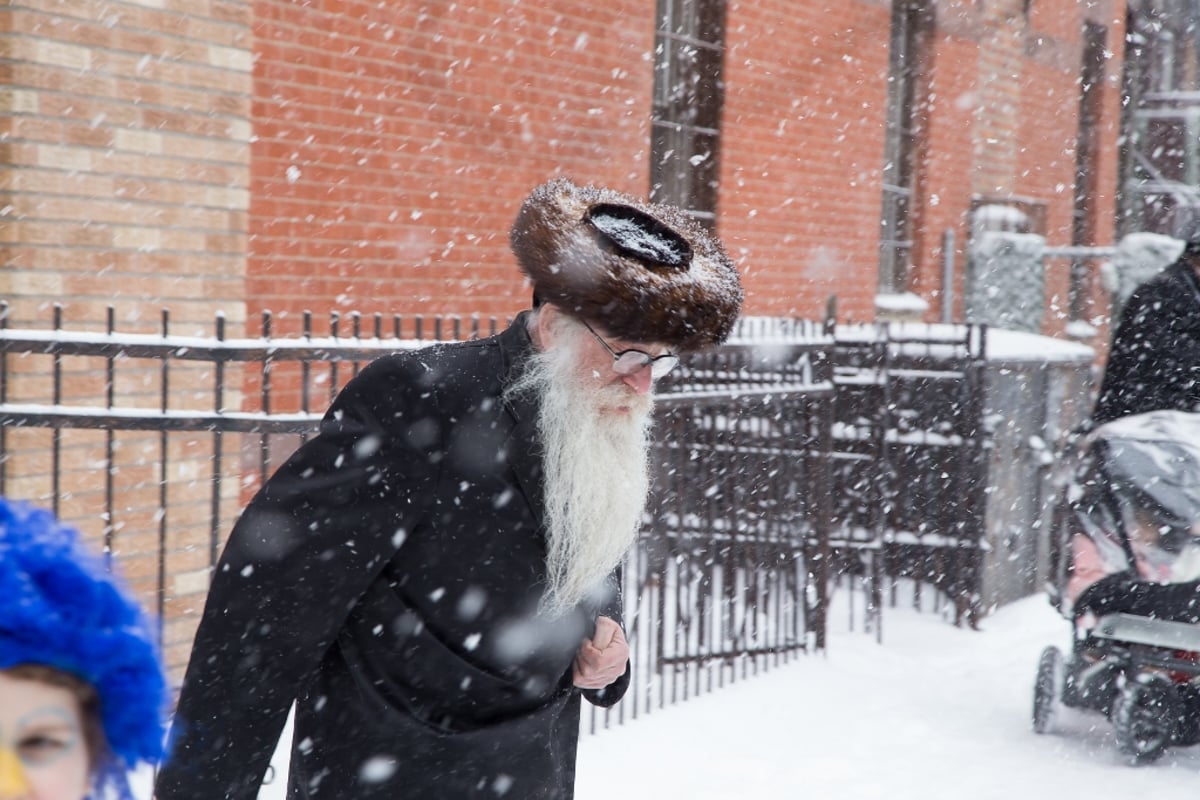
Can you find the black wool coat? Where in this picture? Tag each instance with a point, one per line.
(386, 579)
(1154, 363)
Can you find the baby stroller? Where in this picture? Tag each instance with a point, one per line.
(1125, 565)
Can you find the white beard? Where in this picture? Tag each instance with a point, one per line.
(595, 471)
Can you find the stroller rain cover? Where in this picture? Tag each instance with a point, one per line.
(1135, 502)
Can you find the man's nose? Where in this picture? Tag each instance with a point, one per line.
(13, 783)
(639, 381)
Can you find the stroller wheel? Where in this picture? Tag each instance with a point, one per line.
(1188, 731)
(1144, 719)
(1047, 690)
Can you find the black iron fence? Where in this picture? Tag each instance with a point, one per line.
(157, 439)
(909, 460)
(153, 441)
(729, 576)
(792, 454)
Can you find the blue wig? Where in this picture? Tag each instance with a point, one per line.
(60, 608)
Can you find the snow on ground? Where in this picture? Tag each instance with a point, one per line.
(933, 713)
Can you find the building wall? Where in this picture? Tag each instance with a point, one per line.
(238, 157)
(1002, 121)
(1111, 14)
(124, 183)
(944, 182)
(1048, 125)
(366, 156)
(805, 105)
(125, 158)
(394, 142)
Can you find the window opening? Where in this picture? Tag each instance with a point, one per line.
(689, 93)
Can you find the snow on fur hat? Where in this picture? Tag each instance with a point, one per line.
(60, 608)
(645, 272)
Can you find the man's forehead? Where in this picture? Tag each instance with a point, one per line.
(645, 347)
(628, 344)
(599, 327)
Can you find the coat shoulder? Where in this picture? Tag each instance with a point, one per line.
(1163, 301)
(443, 374)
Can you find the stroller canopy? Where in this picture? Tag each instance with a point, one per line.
(1136, 495)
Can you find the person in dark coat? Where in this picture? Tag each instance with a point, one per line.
(432, 579)
(1154, 362)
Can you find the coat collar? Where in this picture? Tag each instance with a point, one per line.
(523, 444)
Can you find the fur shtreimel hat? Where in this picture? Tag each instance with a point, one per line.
(60, 608)
(644, 272)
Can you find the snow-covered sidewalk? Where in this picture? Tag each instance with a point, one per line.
(934, 713)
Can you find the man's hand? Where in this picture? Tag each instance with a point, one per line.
(601, 659)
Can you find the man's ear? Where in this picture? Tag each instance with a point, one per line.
(543, 333)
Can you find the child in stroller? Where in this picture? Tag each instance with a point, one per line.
(1128, 580)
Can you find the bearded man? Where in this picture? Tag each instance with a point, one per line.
(432, 580)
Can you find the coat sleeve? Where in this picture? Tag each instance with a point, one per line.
(1125, 592)
(298, 559)
(610, 695)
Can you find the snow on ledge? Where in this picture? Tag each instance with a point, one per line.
(1002, 345)
(1006, 345)
(1079, 330)
(906, 301)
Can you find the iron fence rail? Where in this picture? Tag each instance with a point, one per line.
(159, 439)
(787, 455)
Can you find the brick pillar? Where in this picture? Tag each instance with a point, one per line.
(998, 123)
(124, 182)
(125, 159)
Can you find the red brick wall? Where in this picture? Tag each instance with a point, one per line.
(1110, 14)
(946, 175)
(375, 156)
(1047, 133)
(1001, 123)
(802, 153)
(394, 143)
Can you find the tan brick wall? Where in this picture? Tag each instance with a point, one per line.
(126, 157)
(124, 181)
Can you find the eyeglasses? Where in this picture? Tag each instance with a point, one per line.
(627, 362)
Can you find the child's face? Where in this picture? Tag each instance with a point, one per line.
(43, 755)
